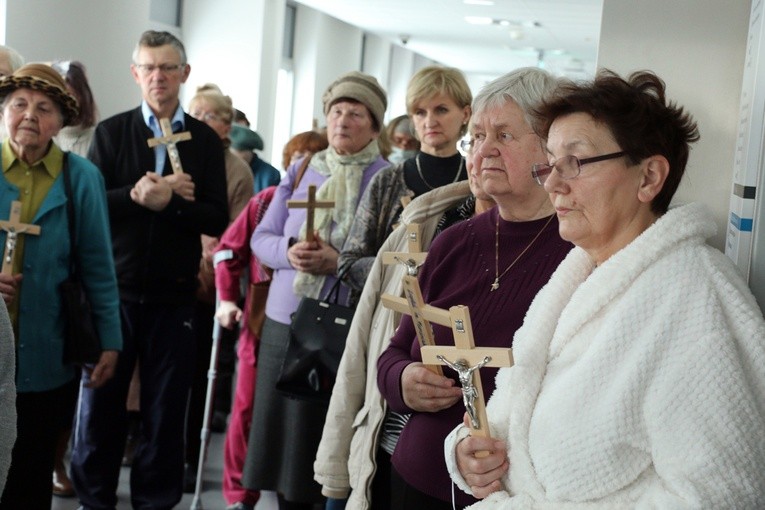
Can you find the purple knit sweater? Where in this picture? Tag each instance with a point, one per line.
(459, 270)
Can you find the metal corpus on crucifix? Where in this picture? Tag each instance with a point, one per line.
(412, 302)
(466, 359)
(310, 205)
(170, 139)
(13, 227)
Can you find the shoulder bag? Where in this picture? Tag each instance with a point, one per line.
(317, 340)
(81, 343)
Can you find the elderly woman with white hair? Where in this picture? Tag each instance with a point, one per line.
(494, 263)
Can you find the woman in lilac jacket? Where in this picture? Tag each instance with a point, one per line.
(285, 433)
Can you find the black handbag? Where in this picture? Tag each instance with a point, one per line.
(317, 340)
(81, 343)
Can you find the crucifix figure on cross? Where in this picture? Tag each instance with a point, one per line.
(469, 359)
(170, 139)
(13, 227)
(310, 205)
(469, 390)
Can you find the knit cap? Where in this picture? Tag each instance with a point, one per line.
(245, 139)
(363, 88)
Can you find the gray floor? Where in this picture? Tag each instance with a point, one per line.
(211, 497)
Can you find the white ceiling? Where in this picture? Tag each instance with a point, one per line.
(563, 32)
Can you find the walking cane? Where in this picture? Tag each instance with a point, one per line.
(212, 372)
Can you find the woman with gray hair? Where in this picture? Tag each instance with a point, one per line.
(503, 257)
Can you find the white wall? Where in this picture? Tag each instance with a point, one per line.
(237, 44)
(697, 47)
(99, 33)
(325, 48)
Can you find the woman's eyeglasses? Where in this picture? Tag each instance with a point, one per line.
(568, 167)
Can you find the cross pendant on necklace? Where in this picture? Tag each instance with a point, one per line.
(495, 285)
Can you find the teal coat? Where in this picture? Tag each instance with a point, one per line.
(46, 264)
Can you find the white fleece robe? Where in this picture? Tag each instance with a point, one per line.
(637, 384)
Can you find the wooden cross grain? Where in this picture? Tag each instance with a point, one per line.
(465, 352)
(14, 228)
(170, 139)
(310, 205)
(412, 303)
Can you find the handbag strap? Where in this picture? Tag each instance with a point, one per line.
(301, 170)
(70, 215)
(333, 295)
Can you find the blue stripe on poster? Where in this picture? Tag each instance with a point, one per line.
(742, 224)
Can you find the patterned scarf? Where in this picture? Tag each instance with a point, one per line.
(342, 186)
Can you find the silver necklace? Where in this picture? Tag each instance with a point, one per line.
(497, 276)
(419, 171)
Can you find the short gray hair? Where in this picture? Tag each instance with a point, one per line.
(14, 58)
(527, 87)
(154, 39)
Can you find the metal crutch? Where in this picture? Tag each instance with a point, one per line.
(212, 373)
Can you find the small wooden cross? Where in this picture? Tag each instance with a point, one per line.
(14, 228)
(468, 358)
(310, 205)
(170, 139)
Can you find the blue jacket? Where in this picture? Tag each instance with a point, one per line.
(46, 264)
(265, 175)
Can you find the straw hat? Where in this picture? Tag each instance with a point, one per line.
(45, 79)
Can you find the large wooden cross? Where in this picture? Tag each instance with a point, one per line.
(310, 205)
(412, 302)
(14, 228)
(170, 139)
(466, 359)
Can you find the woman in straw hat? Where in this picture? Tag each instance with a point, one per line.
(35, 106)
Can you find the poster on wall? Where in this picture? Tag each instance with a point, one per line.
(748, 159)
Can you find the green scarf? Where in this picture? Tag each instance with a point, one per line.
(342, 187)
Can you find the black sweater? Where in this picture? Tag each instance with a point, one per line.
(157, 253)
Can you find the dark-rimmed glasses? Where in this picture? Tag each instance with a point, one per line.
(568, 167)
(147, 69)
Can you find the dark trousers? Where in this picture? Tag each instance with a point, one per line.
(161, 337)
(405, 497)
(29, 479)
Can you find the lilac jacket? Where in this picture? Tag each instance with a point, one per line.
(270, 240)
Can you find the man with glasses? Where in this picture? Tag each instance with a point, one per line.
(156, 219)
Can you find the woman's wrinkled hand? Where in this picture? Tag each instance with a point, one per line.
(9, 285)
(426, 391)
(104, 369)
(482, 462)
(315, 257)
(228, 314)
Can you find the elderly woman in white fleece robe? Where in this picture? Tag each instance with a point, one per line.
(640, 368)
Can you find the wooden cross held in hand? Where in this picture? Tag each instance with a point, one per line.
(467, 359)
(412, 303)
(14, 228)
(170, 139)
(310, 205)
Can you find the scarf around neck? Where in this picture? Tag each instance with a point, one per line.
(344, 174)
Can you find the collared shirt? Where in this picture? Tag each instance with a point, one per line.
(177, 122)
(34, 182)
